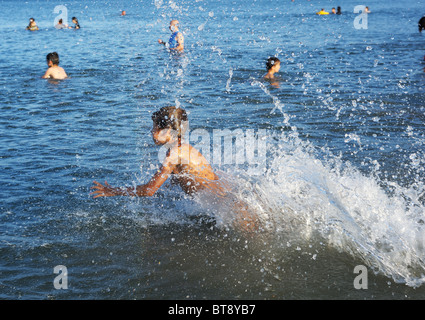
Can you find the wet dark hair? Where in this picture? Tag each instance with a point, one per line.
(31, 20)
(271, 62)
(421, 24)
(54, 57)
(170, 118)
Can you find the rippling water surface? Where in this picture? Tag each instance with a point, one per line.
(342, 183)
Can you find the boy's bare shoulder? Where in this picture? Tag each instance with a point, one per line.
(56, 73)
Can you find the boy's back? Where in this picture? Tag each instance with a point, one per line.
(55, 72)
(191, 170)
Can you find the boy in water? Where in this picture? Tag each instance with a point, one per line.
(322, 12)
(187, 165)
(54, 71)
(60, 25)
(183, 163)
(273, 66)
(176, 41)
(75, 22)
(32, 26)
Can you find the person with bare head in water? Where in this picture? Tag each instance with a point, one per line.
(76, 23)
(272, 66)
(32, 26)
(54, 71)
(60, 25)
(421, 24)
(183, 164)
(176, 41)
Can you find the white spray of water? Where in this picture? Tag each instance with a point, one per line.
(276, 102)
(303, 197)
(229, 80)
(321, 198)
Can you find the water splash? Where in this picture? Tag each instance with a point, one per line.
(229, 80)
(276, 102)
(220, 53)
(302, 197)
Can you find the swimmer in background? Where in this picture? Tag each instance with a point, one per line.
(75, 22)
(184, 164)
(32, 26)
(338, 10)
(333, 11)
(322, 12)
(60, 25)
(366, 10)
(123, 13)
(176, 41)
(272, 66)
(421, 24)
(54, 71)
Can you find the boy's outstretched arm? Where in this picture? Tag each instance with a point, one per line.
(145, 190)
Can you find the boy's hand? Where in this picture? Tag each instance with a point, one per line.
(103, 190)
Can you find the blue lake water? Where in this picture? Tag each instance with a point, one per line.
(342, 183)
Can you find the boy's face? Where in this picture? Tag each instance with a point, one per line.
(173, 26)
(49, 63)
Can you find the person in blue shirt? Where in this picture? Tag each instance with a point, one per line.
(176, 41)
